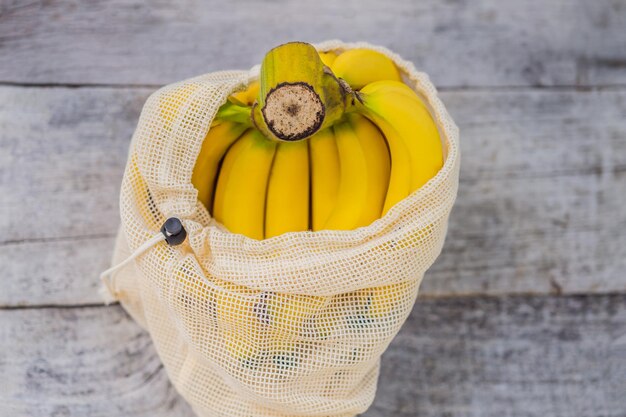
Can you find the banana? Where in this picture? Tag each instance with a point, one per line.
(340, 178)
(379, 165)
(410, 131)
(170, 103)
(287, 205)
(364, 174)
(246, 354)
(415, 121)
(235, 316)
(220, 137)
(400, 176)
(328, 57)
(248, 96)
(397, 87)
(359, 67)
(289, 314)
(242, 183)
(378, 302)
(324, 176)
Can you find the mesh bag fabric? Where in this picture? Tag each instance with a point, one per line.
(289, 326)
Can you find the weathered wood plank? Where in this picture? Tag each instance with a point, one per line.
(541, 202)
(62, 158)
(54, 272)
(529, 42)
(474, 357)
(539, 208)
(513, 357)
(81, 362)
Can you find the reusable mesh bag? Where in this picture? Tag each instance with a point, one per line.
(293, 325)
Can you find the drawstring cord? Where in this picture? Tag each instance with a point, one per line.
(108, 279)
(172, 232)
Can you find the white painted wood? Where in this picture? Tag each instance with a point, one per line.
(539, 209)
(460, 43)
(476, 357)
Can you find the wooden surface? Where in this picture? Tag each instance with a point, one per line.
(539, 92)
(459, 42)
(475, 357)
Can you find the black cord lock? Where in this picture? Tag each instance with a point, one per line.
(174, 232)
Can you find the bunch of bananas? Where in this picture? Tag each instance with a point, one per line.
(323, 140)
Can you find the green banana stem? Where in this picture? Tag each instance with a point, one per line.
(234, 113)
(298, 95)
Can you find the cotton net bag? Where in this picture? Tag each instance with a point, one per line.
(293, 325)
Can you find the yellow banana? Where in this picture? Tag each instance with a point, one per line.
(378, 302)
(397, 87)
(400, 176)
(378, 162)
(220, 137)
(248, 96)
(241, 187)
(324, 176)
(359, 67)
(328, 57)
(408, 128)
(287, 205)
(235, 313)
(173, 101)
(242, 350)
(364, 174)
(290, 314)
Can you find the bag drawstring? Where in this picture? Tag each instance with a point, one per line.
(172, 232)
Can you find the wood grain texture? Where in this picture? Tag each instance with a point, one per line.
(461, 43)
(81, 362)
(512, 357)
(478, 357)
(54, 271)
(539, 209)
(541, 202)
(62, 160)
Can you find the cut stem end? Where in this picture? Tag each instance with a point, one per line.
(293, 111)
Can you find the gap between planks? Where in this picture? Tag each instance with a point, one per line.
(462, 88)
